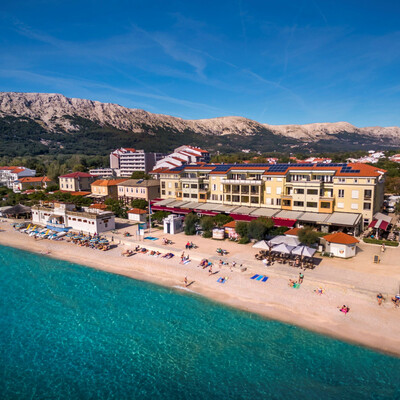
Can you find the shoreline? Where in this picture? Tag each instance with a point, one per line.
(367, 325)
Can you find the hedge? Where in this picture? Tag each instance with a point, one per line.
(385, 242)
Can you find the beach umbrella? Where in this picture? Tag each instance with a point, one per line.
(262, 244)
(289, 241)
(304, 251)
(283, 248)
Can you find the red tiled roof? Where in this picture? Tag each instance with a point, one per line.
(98, 206)
(108, 182)
(75, 193)
(231, 224)
(136, 211)
(77, 175)
(293, 231)
(29, 179)
(341, 238)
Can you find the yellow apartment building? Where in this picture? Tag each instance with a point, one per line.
(106, 188)
(326, 194)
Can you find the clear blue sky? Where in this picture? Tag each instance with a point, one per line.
(277, 62)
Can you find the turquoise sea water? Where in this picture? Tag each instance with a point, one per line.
(71, 332)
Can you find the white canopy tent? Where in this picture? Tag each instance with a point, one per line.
(288, 240)
(283, 248)
(304, 251)
(262, 244)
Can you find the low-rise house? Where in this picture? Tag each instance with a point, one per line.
(138, 189)
(230, 231)
(340, 244)
(106, 188)
(36, 182)
(76, 182)
(9, 175)
(60, 217)
(294, 232)
(137, 215)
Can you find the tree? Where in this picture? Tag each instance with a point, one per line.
(397, 208)
(117, 207)
(159, 216)
(242, 229)
(207, 223)
(308, 236)
(191, 220)
(257, 229)
(139, 203)
(140, 175)
(222, 219)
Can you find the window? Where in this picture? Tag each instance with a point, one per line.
(278, 202)
(367, 206)
(354, 194)
(341, 193)
(176, 185)
(312, 192)
(221, 187)
(268, 201)
(312, 204)
(185, 194)
(268, 189)
(169, 185)
(368, 180)
(325, 204)
(193, 186)
(279, 179)
(163, 185)
(214, 186)
(287, 203)
(268, 178)
(299, 191)
(341, 180)
(194, 196)
(298, 203)
(279, 190)
(340, 205)
(214, 197)
(169, 193)
(367, 194)
(354, 206)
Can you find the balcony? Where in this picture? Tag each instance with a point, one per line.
(286, 196)
(241, 181)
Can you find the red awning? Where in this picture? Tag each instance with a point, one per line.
(284, 222)
(379, 223)
(241, 217)
(383, 225)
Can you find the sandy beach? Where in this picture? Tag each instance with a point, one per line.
(353, 282)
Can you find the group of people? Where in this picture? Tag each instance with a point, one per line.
(184, 259)
(190, 245)
(166, 241)
(395, 299)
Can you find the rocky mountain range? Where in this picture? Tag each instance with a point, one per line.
(57, 122)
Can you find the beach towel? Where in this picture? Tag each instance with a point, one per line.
(265, 279)
(255, 276)
(221, 280)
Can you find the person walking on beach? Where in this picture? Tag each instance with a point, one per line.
(210, 270)
(186, 281)
(301, 277)
(380, 298)
(383, 248)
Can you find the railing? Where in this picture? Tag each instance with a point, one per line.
(241, 181)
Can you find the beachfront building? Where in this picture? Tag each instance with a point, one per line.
(128, 160)
(331, 196)
(230, 230)
(103, 189)
(340, 245)
(60, 217)
(138, 189)
(103, 172)
(9, 175)
(76, 182)
(183, 155)
(137, 215)
(35, 182)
